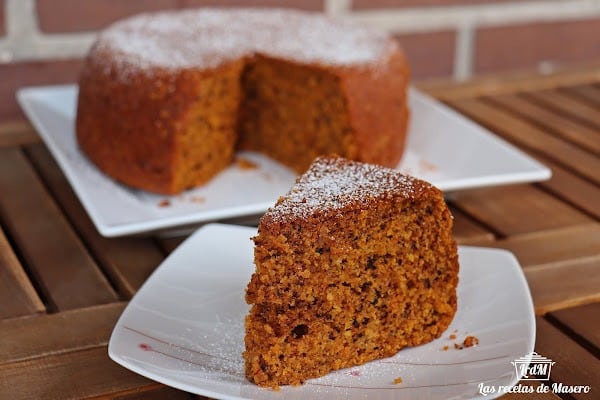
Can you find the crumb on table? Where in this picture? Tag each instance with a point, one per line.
(397, 381)
(164, 203)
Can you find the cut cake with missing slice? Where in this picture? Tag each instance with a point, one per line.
(353, 264)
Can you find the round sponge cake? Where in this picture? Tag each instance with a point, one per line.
(166, 99)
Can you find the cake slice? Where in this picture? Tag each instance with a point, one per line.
(354, 263)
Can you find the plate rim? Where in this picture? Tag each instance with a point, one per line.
(26, 96)
(516, 271)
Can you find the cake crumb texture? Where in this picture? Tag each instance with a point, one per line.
(353, 264)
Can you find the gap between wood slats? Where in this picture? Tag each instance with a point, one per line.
(54, 254)
(158, 392)
(16, 133)
(43, 335)
(127, 261)
(563, 285)
(17, 294)
(568, 106)
(581, 323)
(587, 93)
(555, 246)
(561, 265)
(530, 137)
(475, 218)
(30, 274)
(449, 90)
(517, 209)
(572, 189)
(72, 375)
(469, 231)
(574, 365)
(549, 121)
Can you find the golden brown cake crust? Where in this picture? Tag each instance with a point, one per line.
(133, 129)
(378, 110)
(146, 76)
(357, 261)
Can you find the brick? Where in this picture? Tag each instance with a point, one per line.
(430, 54)
(311, 5)
(16, 75)
(367, 4)
(516, 47)
(76, 15)
(2, 23)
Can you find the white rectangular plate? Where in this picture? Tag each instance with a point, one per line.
(185, 328)
(443, 148)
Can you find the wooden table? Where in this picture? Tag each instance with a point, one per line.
(63, 286)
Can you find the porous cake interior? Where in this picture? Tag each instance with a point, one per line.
(290, 112)
(209, 132)
(293, 113)
(333, 290)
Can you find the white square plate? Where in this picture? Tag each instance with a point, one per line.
(443, 148)
(185, 328)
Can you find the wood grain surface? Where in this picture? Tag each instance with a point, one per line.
(63, 286)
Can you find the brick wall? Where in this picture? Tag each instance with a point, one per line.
(43, 41)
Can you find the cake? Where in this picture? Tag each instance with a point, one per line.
(354, 263)
(166, 99)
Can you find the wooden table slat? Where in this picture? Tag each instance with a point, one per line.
(60, 263)
(569, 106)
(532, 138)
(50, 251)
(517, 209)
(72, 375)
(555, 246)
(43, 335)
(586, 92)
(573, 364)
(17, 295)
(550, 121)
(128, 260)
(569, 284)
(584, 321)
(469, 232)
(17, 133)
(573, 189)
(448, 90)
(154, 393)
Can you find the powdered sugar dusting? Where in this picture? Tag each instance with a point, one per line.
(205, 38)
(332, 183)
